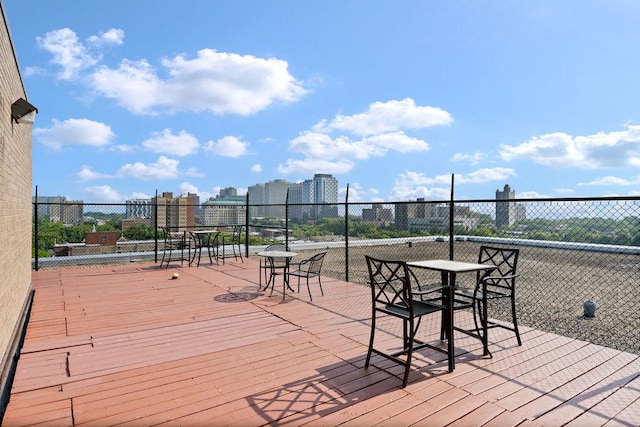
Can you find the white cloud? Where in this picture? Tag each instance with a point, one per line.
(166, 142)
(113, 36)
(164, 168)
(565, 190)
(257, 168)
(472, 159)
(414, 185)
(193, 173)
(228, 146)
(532, 195)
(136, 195)
(134, 85)
(74, 132)
(313, 166)
(376, 132)
(220, 82)
(612, 181)
(187, 187)
(357, 193)
(103, 194)
(601, 150)
(322, 146)
(390, 116)
(484, 175)
(411, 185)
(86, 174)
(68, 52)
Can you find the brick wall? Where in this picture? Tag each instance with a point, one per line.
(15, 203)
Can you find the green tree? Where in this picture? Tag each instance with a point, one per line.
(138, 232)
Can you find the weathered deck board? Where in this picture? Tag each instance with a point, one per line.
(128, 345)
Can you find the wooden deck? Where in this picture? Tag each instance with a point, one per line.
(130, 346)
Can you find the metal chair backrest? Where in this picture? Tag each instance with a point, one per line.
(390, 283)
(315, 263)
(506, 261)
(236, 234)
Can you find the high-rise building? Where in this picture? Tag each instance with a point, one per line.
(138, 208)
(224, 209)
(377, 214)
(68, 212)
(268, 200)
(45, 203)
(178, 213)
(256, 199)
(321, 190)
(228, 192)
(508, 213)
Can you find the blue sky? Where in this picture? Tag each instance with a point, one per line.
(391, 97)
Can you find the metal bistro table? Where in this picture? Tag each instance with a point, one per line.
(271, 257)
(449, 269)
(204, 239)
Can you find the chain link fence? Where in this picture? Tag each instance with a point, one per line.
(571, 250)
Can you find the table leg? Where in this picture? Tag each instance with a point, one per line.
(450, 342)
(484, 320)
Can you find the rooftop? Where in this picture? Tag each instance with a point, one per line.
(130, 345)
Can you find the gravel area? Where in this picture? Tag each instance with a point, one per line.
(551, 291)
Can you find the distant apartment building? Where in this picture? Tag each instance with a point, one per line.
(377, 214)
(177, 213)
(45, 203)
(406, 212)
(321, 193)
(224, 210)
(421, 216)
(268, 199)
(228, 192)
(315, 198)
(68, 212)
(138, 208)
(508, 212)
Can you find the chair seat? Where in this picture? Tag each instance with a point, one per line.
(419, 309)
(469, 293)
(392, 294)
(301, 273)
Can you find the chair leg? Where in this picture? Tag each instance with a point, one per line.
(515, 321)
(409, 349)
(309, 289)
(373, 332)
(480, 311)
(320, 284)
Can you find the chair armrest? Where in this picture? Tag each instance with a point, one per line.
(505, 277)
(431, 289)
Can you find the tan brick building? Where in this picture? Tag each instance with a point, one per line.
(15, 205)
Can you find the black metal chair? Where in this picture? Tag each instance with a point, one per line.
(308, 268)
(270, 267)
(499, 283)
(175, 241)
(392, 294)
(209, 241)
(234, 242)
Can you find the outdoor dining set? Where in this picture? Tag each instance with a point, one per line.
(396, 290)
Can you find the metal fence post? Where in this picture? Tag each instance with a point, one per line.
(246, 227)
(346, 235)
(35, 231)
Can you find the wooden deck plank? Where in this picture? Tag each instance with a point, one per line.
(128, 345)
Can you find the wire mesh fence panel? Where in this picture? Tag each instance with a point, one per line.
(572, 251)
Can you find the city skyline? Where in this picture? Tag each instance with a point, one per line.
(391, 99)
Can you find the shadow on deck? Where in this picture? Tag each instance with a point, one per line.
(130, 345)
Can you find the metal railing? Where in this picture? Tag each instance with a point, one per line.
(571, 250)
